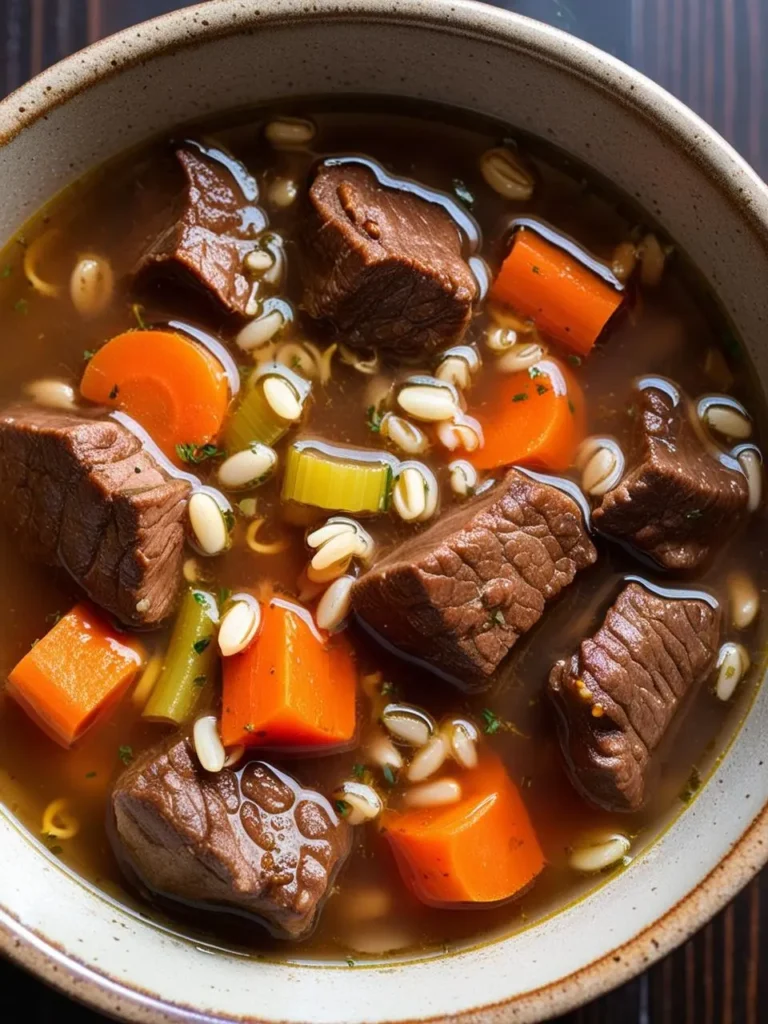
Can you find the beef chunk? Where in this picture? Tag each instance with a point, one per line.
(208, 241)
(618, 695)
(459, 595)
(384, 265)
(83, 494)
(251, 841)
(679, 498)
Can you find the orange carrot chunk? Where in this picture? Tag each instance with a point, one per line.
(74, 674)
(482, 849)
(170, 385)
(564, 297)
(533, 418)
(293, 688)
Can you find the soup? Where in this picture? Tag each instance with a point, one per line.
(382, 530)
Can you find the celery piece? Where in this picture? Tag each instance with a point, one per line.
(254, 420)
(190, 661)
(342, 479)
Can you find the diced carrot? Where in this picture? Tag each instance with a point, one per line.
(482, 849)
(78, 670)
(535, 418)
(560, 293)
(293, 688)
(172, 386)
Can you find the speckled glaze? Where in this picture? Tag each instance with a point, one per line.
(229, 53)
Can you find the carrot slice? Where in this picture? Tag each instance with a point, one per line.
(562, 295)
(533, 418)
(293, 688)
(172, 386)
(75, 673)
(482, 849)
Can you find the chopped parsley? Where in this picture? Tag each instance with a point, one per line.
(114, 392)
(200, 645)
(541, 389)
(125, 753)
(53, 617)
(200, 680)
(534, 372)
(521, 396)
(199, 597)
(373, 418)
(692, 786)
(491, 721)
(389, 774)
(295, 363)
(197, 453)
(229, 518)
(249, 727)
(90, 775)
(387, 687)
(358, 770)
(88, 353)
(223, 596)
(574, 360)
(350, 962)
(342, 808)
(535, 269)
(462, 193)
(21, 305)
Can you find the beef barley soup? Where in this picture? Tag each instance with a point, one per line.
(382, 523)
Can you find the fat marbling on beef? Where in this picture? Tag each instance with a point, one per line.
(459, 595)
(618, 695)
(83, 494)
(207, 240)
(384, 265)
(680, 497)
(252, 841)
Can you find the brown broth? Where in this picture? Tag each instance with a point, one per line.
(115, 211)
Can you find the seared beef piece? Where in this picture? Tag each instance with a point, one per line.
(679, 499)
(249, 841)
(618, 696)
(459, 595)
(214, 232)
(83, 494)
(384, 265)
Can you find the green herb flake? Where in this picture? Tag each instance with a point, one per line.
(497, 617)
(387, 687)
(295, 363)
(6, 271)
(21, 306)
(462, 193)
(521, 396)
(125, 753)
(223, 596)
(491, 721)
(200, 680)
(90, 775)
(574, 360)
(389, 775)
(229, 518)
(358, 770)
(534, 372)
(571, 408)
(200, 645)
(197, 453)
(373, 418)
(249, 727)
(342, 808)
(535, 269)
(695, 513)
(541, 389)
(350, 962)
(138, 312)
(88, 353)
(692, 786)
(199, 597)
(53, 617)
(114, 392)
(56, 849)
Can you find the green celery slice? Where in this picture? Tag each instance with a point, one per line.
(190, 662)
(339, 479)
(254, 420)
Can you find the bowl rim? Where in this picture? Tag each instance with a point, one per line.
(192, 27)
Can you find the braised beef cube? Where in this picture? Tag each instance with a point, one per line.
(252, 841)
(459, 595)
(207, 241)
(84, 494)
(384, 265)
(618, 696)
(679, 498)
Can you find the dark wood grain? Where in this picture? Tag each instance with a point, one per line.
(711, 54)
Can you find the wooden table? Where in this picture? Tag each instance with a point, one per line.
(710, 53)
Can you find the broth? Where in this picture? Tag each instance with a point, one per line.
(669, 331)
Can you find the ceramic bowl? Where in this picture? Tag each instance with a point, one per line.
(231, 53)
